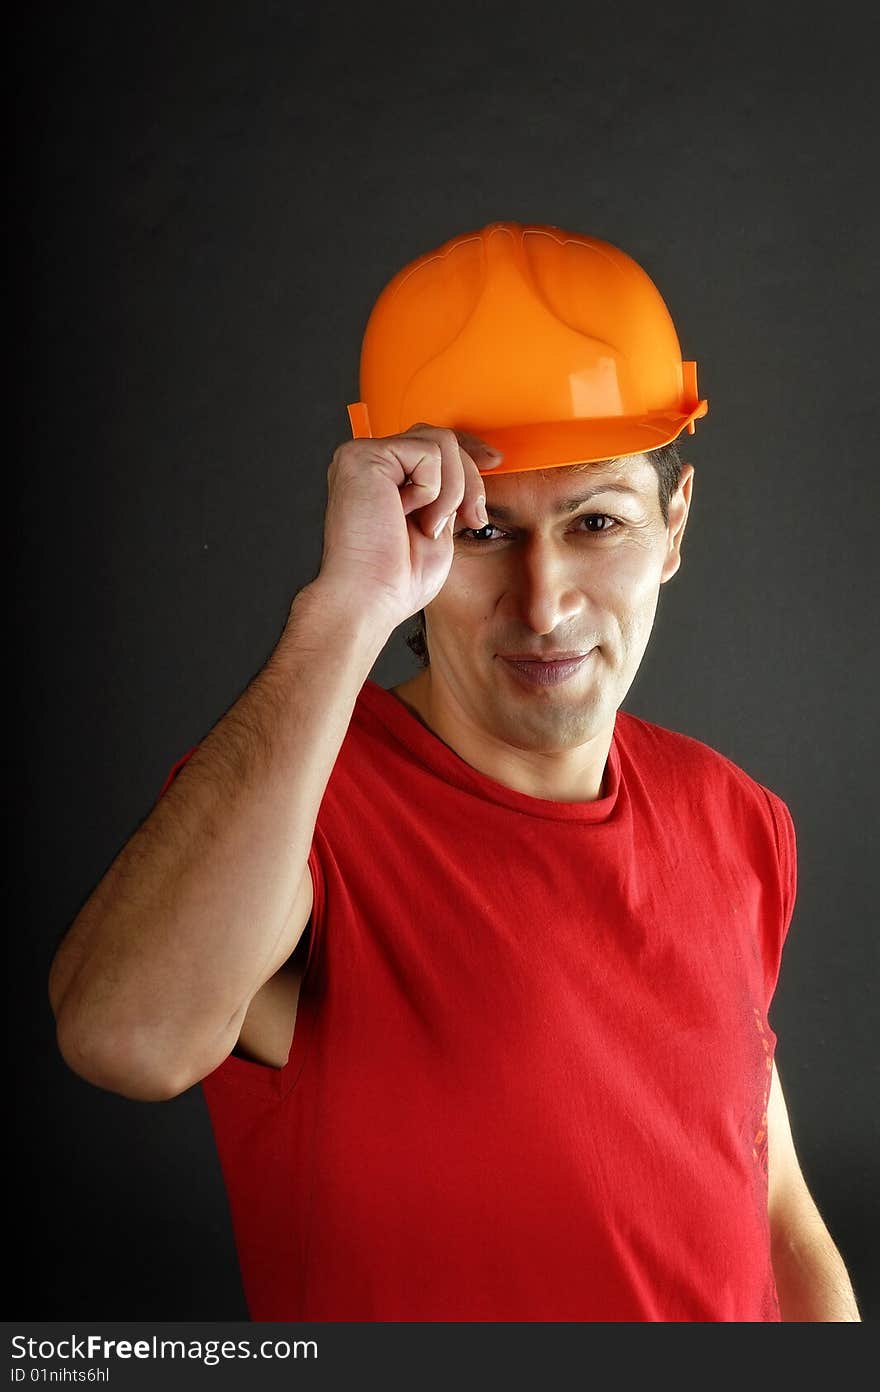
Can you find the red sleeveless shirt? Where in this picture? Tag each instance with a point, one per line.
(531, 1060)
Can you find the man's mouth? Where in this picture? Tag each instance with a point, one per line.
(545, 671)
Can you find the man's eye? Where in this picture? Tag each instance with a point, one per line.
(475, 535)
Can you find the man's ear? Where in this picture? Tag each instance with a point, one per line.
(679, 507)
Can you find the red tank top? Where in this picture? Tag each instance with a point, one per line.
(531, 1060)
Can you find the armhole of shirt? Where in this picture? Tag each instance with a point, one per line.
(786, 850)
(260, 1079)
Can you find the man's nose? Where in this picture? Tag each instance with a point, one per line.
(547, 591)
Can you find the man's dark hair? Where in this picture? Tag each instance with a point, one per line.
(666, 460)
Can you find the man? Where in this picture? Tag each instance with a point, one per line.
(519, 1067)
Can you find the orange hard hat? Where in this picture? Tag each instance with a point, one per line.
(554, 347)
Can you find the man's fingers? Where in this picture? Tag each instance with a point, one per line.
(488, 456)
(474, 454)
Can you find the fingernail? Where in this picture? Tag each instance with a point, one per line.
(481, 512)
(443, 523)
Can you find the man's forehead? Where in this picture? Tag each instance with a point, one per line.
(558, 491)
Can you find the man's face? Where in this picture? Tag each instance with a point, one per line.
(539, 580)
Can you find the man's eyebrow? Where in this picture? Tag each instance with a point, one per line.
(568, 504)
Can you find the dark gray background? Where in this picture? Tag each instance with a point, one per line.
(211, 197)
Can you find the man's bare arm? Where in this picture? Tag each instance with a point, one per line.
(812, 1281)
(152, 981)
(203, 905)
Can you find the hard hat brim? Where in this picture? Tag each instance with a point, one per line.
(555, 444)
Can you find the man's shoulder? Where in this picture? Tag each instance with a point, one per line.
(685, 757)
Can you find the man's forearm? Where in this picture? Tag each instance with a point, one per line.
(811, 1279)
(190, 916)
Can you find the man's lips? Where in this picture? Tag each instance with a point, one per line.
(544, 657)
(548, 670)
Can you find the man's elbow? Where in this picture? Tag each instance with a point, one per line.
(115, 1069)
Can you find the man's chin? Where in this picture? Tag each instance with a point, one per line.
(573, 716)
